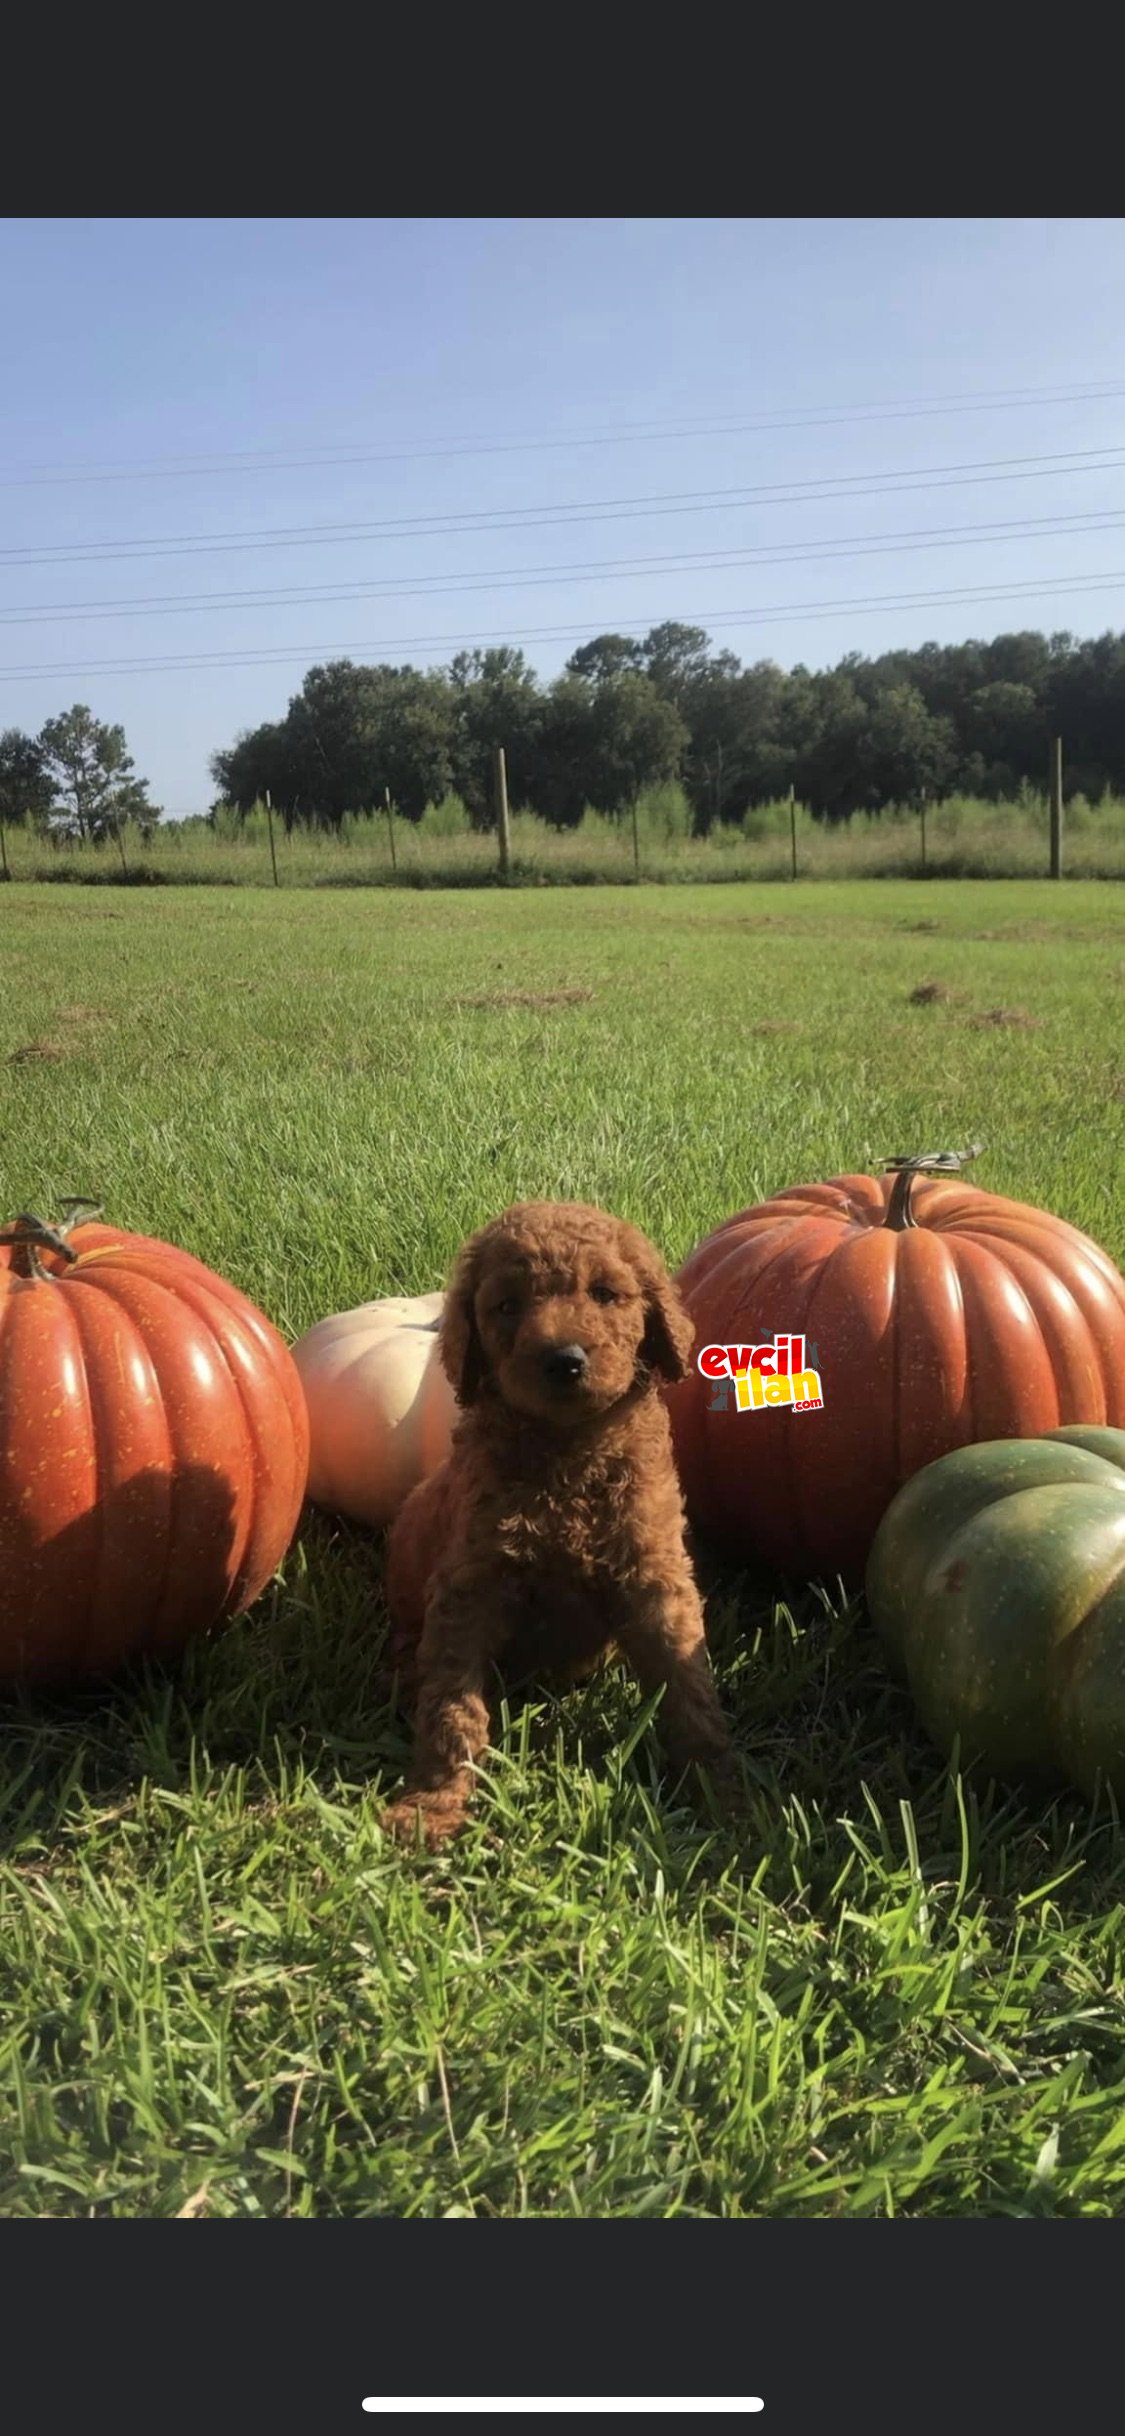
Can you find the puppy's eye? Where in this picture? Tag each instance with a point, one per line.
(603, 1294)
(508, 1308)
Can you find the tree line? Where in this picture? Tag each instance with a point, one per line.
(969, 718)
(75, 779)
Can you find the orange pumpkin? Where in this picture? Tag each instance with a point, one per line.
(153, 1449)
(936, 1314)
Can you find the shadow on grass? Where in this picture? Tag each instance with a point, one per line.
(297, 1681)
(137, 875)
(299, 1693)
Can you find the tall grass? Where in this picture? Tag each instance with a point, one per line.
(964, 839)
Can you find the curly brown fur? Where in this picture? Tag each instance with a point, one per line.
(555, 1528)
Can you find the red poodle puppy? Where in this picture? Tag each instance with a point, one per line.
(556, 1526)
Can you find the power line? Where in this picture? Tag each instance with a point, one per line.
(282, 655)
(189, 465)
(171, 604)
(656, 503)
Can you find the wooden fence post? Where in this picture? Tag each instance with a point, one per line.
(1056, 809)
(118, 827)
(273, 849)
(4, 871)
(503, 833)
(923, 812)
(390, 827)
(793, 829)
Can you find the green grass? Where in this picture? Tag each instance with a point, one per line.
(221, 1991)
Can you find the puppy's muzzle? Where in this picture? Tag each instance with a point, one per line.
(565, 1365)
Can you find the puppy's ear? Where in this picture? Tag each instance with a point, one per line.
(669, 1333)
(459, 1345)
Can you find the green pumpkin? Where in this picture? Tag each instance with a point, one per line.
(997, 1582)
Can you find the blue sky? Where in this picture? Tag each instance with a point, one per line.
(599, 409)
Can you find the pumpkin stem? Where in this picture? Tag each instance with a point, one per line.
(78, 1208)
(900, 1213)
(31, 1235)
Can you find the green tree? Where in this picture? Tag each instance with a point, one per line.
(674, 658)
(496, 701)
(94, 785)
(824, 719)
(353, 731)
(1005, 724)
(1016, 659)
(25, 786)
(607, 656)
(602, 744)
(416, 734)
(329, 759)
(737, 755)
(257, 761)
(904, 748)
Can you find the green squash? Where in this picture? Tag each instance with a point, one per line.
(997, 1582)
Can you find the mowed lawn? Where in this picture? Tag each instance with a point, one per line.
(222, 1992)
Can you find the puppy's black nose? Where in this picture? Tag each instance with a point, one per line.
(564, 1362)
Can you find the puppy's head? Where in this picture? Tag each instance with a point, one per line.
(560, 1311)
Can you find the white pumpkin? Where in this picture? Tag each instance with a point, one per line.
(381, 1410)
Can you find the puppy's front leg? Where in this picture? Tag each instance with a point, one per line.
(463, 1631)
(662, 1636)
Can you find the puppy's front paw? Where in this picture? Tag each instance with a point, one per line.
(432, 1816)
(718, 1776)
